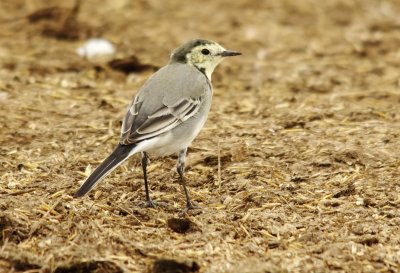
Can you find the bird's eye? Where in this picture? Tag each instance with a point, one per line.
(205, 51)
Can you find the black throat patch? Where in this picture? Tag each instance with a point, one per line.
(202, 70)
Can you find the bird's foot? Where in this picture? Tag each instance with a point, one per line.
(152, 204)
(191, 206)
(149, 204)
(191, 209)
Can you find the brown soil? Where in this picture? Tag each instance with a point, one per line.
(297, 168)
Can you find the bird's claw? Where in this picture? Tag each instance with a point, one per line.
(190, 206)
(149, 204)
(152, 204)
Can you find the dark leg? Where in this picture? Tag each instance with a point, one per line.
(180, 168)
(145, 162)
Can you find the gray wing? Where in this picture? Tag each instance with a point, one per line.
(171, 96)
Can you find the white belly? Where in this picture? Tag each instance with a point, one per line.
(172, 141)
(178, 139)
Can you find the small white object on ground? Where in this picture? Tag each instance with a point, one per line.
(3, 95)
(96, 46)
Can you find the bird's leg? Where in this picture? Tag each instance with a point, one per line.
(145, 161)
(180, 168)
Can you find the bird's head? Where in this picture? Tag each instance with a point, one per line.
(203, 54)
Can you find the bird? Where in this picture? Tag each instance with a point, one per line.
(167, 113)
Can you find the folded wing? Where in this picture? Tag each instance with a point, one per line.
(162, 120)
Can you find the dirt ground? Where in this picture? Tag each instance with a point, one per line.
(296, 170)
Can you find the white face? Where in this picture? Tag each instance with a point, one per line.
(206, 57)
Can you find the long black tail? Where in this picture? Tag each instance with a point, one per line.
(117, 157)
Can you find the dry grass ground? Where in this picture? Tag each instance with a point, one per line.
(297, 169)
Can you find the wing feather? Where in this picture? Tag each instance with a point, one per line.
(163, 119)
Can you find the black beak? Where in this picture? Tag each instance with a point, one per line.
(229, 53)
